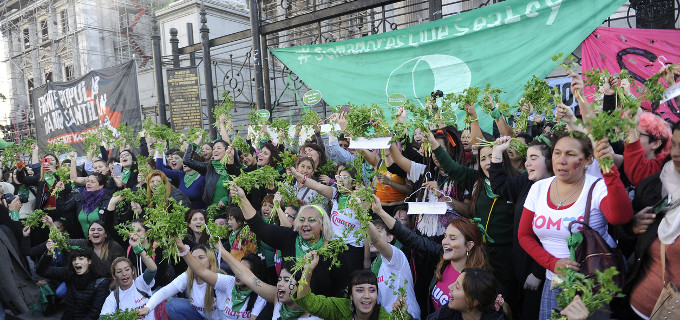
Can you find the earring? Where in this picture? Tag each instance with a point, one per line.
(468, 253)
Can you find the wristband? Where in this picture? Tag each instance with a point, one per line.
(475, 119)
(138, 249)
(14, 215)
(182, 254)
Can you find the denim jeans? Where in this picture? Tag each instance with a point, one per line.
(181, 309)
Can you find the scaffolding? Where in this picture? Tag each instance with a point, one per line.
(60, 40)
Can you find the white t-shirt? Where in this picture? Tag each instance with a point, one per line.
(345, 219)
(277, 313)
(180, 285)
(225, 284)
(400, 268)
(130, 298)
(551, 225)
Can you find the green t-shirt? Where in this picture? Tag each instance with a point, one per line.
(86, 219)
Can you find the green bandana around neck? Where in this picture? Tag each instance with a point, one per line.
(50, 179)
(487, 187)
(126, 175)
(219, 167)
(238, 298)
(232, 237)
(288, 314)
(375, 265)
(189, 178)
(342, 201)
(302, 247)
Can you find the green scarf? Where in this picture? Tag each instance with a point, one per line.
(24, 190)
(302, 247)
(238, 298)
(232, 237)
(219, 168)
(287, 314)
(126, 175)
(189, 178)
(342, 201)
(50, 179)
(487, 187)
(375, 265)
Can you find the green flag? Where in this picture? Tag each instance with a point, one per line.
(503, 44)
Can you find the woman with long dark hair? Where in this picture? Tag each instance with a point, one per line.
(86, 279)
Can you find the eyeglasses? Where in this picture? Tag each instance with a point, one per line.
(343, 177)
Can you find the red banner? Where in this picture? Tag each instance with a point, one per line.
(641, 51)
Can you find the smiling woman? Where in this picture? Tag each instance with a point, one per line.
(361, 305)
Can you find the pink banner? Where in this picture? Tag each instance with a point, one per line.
(642, 51)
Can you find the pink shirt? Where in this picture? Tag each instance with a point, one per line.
(440, 292)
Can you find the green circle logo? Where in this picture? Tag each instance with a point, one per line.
(311, 97)
(396, 99)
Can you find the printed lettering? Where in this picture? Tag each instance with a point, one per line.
(531, 9)
(554, 9)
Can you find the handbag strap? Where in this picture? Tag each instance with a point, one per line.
(586, 217)
(662, 247)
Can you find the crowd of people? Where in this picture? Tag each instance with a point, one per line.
(496, 252)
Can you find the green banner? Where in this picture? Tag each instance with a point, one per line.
(503, 44)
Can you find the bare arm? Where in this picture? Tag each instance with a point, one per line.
(73, 173)
(322, 189)
(195, 265)
(399, 159)
(266, 291)
(379, 243)
(504, 128)
(371, 157)
(377, 208)
(247, 208)
(475, 129)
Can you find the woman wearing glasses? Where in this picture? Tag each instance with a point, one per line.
(343, 221)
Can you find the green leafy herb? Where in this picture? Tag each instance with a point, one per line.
(58, 147)
(595, 293)
(367, 122)
(34, 219)
(611, 125)
(226, 108)
(262, 177)
(216, 231)
(288, 194)
(59, 239)
(213, 211)
(469, 96)
(163, 225)
(310, 118)
(240, 144)
(125, 229)
(327, 169)
(126, 314)
(398, 290)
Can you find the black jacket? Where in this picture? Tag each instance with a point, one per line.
(85, 304)
(206, 169)
(647, 194)
(69, 206)
(516, 189)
